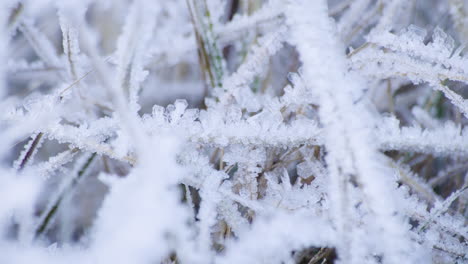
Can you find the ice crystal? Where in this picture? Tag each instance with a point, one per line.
(233, 131)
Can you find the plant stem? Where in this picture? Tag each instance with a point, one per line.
(49, 214)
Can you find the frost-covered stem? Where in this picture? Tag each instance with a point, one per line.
(30, 150)
(255, 63)
(416, 183)
(351, 17)
(46, 168)
(50, 211)
(207, 215)
(209, 51)
(339, 7)
(442, 207)
(321, 255)
(131, 49)
(87, 144)
(45, 50)
(416, 139)
(4, 40)
(415, 70)
(390, 9)
(269, 13)
(365, 19)
(460, 18)
(446, 173)
(348, 138)
(15, 14)
(463, 200)
(40, 43)
(291, 232)
(71, 49)
(188, 196)
(70, 46)
(456, 99)
(130, 122)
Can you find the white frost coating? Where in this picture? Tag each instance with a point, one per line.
(270, 13)
(23, 254)
(458, 12)
(69, 20)
(113, 87)
(207, 216)
(352, 16)
(141, 219)
(391, 7)
(434, 63)
(237, 85)
(274, 247)
(29, 151)
(54, 163)
(416, 139)
(4, 39)
(17, 198)
(40, 43)
(132, 48)
(293, 160)
(348, 138)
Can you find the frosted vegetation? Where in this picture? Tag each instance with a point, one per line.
(233, 131)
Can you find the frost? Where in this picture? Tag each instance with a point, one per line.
(233, 131)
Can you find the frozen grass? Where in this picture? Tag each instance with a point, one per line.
(233, 131)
